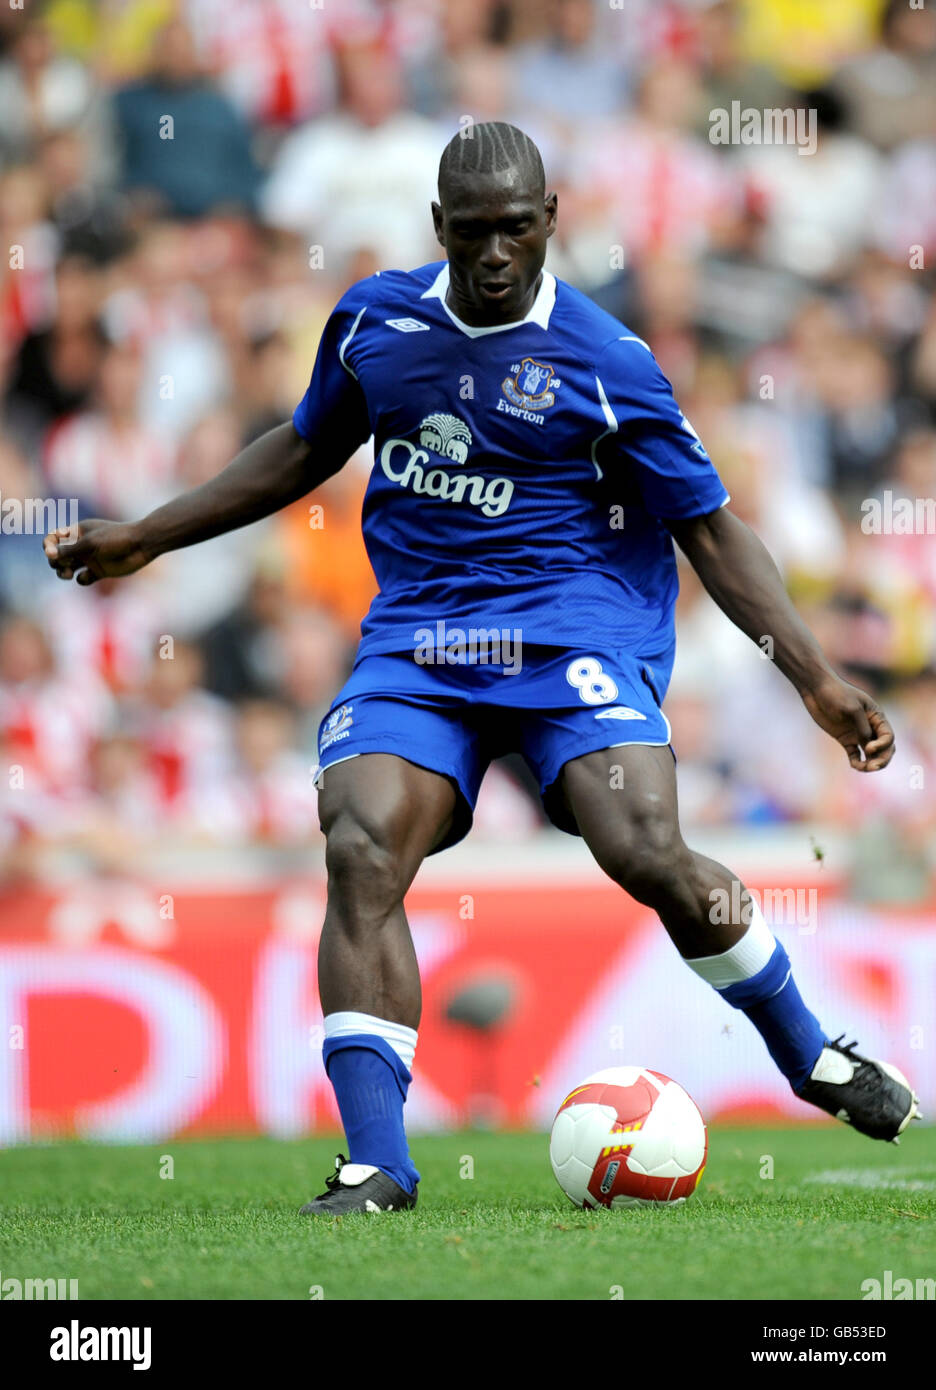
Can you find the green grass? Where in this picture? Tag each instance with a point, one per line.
(225, 1226)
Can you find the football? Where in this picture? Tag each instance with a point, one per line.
(625, 1137)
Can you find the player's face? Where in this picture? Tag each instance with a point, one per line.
(494, 228)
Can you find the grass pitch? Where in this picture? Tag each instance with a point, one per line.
(838, 1209)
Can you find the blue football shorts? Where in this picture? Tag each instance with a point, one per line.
(454, 717)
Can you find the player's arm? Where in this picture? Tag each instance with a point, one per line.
(737, 570)
(328, 425)
(268, 474)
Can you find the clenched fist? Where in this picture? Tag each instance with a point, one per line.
(95, 550)
(854, 720)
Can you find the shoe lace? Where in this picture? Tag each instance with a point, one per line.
(848, 1049)
(340, 1161)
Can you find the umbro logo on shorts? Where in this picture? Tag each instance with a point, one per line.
(407, 325)
(619, 712)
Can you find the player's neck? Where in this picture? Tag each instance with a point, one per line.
(476, 316)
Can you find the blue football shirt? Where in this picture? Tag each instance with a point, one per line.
(522, 472)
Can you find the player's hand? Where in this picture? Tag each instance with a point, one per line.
(94, 550)
(853, 720)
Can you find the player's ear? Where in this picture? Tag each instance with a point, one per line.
(438, 223)
(552, 211)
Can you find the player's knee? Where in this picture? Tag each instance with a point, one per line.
(362, 869)
(649, 859)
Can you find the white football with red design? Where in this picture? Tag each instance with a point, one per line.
(625, 1137)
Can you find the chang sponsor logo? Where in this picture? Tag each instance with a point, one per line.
(449, 437)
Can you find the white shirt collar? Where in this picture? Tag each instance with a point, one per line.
(539, 313)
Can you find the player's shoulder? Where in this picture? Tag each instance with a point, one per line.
(602, 336)
(389, 289)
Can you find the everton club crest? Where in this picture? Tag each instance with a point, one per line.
(529, 386)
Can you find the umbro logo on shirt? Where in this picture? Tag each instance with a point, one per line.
(407, 325)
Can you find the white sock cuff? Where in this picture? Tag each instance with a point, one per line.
(397, 1035)
(744, 959)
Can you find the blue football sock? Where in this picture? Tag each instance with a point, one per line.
(772, 1002)
(371, 1083)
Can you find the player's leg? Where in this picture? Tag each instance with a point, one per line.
(624, 802)
(381, 816)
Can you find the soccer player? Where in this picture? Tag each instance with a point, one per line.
(532, 472)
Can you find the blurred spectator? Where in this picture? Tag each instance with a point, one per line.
(273, 58)
(182, 141)
(923, 361)
(741, 298)
(187, 732)
(325, 560)
(432, 55)
(860, 421)
(268, 796)
(107, 632)
(119, 812)
(242, 651)
(151, 322)
(316, 662)
(157, 309)
(268, 398)
(568, 72)
(42, 92)
(117, 36)
(906, 217)
(818, 205)
(726, 70)
(22, 564)
(106, 456)
(56, 368)
(27, 270)
(89, 216)
(649, 180)
(200, 586)
(890, 91)
(804, 43)
(363, 177)
(49, 719)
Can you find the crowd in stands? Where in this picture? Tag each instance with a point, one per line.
(188, 186)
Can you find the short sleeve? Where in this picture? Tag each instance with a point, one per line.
(652, 436)
(333, 411)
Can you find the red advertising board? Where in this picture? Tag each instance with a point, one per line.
(135, 1014)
